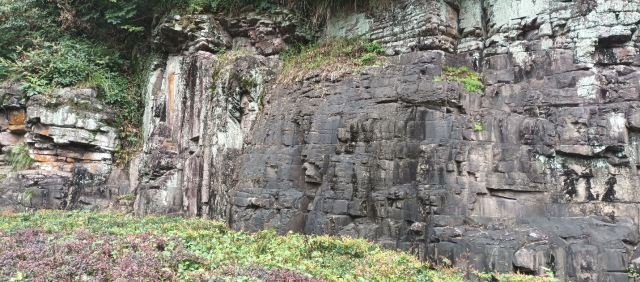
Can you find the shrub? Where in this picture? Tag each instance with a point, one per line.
(21, 21)
(18, 158)
(57, 64)
(470, 79)
(99, 244)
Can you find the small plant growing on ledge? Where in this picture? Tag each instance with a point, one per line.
(18, 158)
(330, 57)
(127, 197)
(26, 196)
(478, 127)
(470, 79)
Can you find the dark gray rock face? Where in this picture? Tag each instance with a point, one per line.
(394, 157)
(538, 173)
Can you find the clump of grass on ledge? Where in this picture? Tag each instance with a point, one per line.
(89, 246)
(332, 57)
(478, 127)
(470, 79)
(18, 158)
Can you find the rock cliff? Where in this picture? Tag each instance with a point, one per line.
(539, 171)
(70, 138)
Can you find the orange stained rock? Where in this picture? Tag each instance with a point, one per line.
(170, 97)
(43, 158)
(167, 144)
(16, 127)
(92, 168)
(16, 118)
(40, 129)
(45, 131)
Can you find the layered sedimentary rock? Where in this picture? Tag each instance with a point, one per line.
(69, 134)
(540, 171)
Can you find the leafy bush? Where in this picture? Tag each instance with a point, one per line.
(330, 57)
(18, 158)
(21, 21)
(470, 79)
(57, 64)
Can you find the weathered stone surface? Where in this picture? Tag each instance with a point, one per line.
(192, 132)
(550, 181)
(258, 33)
(390, 155)
(70, 138)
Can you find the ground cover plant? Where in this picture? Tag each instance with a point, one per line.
(91, 246)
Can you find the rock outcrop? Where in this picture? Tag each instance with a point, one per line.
(539, 172)
(69, 135)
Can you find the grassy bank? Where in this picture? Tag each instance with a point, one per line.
(83, 246)
(106, 247)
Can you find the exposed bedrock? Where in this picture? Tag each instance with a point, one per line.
(69, 136)
(550, 180)
(538, 172)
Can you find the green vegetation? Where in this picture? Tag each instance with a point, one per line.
(470, 79)
(316, 11)
(330, 57)
(478, 127)
(516, 277)
(127, 197)
(61, 43)
(213, 246)
(178, 249)
(65, 63)
(26, 196)
(18, 158)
